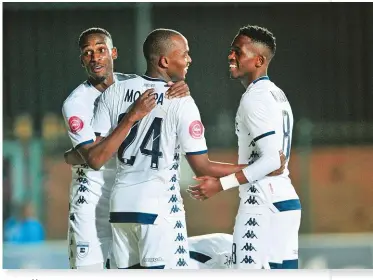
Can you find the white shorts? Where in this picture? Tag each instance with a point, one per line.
(284, 240)
(266, 236)
(90, 234)
(163, 245)
(251, 236)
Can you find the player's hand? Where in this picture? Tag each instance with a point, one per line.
(142, 106)
(207, 187)
(177, 90)
(282, 167)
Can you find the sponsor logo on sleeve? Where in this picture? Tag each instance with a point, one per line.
(196, 129)
(75, 124)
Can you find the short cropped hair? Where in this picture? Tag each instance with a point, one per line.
(93, 30)
(260, 35)
(158, 42)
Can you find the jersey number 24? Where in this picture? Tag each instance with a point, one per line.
(153, 133)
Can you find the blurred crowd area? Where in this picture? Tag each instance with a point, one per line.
(323, 63)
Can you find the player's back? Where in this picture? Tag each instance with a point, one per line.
(148, 159)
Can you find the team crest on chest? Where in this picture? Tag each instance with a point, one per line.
(75, 124)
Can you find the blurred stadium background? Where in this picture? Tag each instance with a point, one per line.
(324, 63)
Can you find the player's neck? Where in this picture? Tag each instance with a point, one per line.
(102, 85)
(246, 81)
(154, 73)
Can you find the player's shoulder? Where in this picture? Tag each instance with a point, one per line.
(79, 94)
(181, 102)
(259, 94)
(123, 77)
(122, 82)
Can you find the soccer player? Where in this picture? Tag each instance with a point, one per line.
(211, 251)
(146, 209)
(90, 234)
(268, 219)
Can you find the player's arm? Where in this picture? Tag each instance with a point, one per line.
(202, 165)
(73, 157)
(98, 153)
(78, 128)
(259, 120)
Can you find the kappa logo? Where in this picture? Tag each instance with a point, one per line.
(172, 188)
(253, 157)
(196, 129)
(180, 237)
(252, 200)
(175, 209)
(248, 260)
(81, 200)
(180, 250)
(175, 166)
(179, 224)
(248, 247)
(82, 180)
(176, 157)
(173, 198)
(75, 124)
(181, 262)
(250, 234)
(253, 189)
(252, 222)
(82, 249)
(80, 172)
(83, 188)
(173, 179)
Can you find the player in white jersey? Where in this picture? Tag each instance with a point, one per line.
(211, 251)
(146, 209)
(267, 223)
(90, 234)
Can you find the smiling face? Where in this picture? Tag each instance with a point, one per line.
(97, 55)
(243, 57)
(178, 58)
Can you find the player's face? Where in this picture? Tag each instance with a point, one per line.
(97, 55)
(178, 58)
(242, 57)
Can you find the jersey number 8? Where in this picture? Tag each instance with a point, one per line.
(286, 143)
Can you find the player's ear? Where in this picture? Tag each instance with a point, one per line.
(260, 59)
(163, 62)
(114, 53)
(81, 61)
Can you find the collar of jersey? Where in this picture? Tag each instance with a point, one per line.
(153, 79)
(261, 78)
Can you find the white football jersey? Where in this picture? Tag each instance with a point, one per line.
(211, 251)
(148, 159)
(78, 110)
(264, 111)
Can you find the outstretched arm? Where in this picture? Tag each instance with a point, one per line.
(210, 185)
